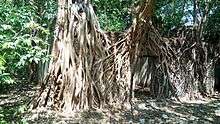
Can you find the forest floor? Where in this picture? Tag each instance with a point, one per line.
(145, 110)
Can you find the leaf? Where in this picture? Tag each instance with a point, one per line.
(1, 36)
(6, 27)
(22, 109)
(27, 41)
(36, 60)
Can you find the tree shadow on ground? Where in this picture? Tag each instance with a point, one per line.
(167, 111)
(145, 110)
(13, 100)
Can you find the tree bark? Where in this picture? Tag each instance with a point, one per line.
(87, 70)
(95, 69)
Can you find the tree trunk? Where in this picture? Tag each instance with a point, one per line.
(86, 70)
(93, 69)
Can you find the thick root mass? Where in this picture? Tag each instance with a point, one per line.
(93, 69)
(86, 71)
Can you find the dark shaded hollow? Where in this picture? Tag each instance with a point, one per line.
(217, 76)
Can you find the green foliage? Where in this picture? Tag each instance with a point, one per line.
(172, 14)
(22, 40)
(113, 14)
(4, 77)
(212, 29)
(12, 114)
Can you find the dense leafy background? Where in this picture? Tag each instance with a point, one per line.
(24, 37)
(114, 15)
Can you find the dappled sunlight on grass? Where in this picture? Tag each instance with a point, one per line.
(165, 111)
(13, 101)
(11, 114)
(145, 110)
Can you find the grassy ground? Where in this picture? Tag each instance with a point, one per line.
(146, 110)
(13, 102)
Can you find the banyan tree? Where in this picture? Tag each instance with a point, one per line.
(92, 68)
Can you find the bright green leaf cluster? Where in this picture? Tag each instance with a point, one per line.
(23, 38)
